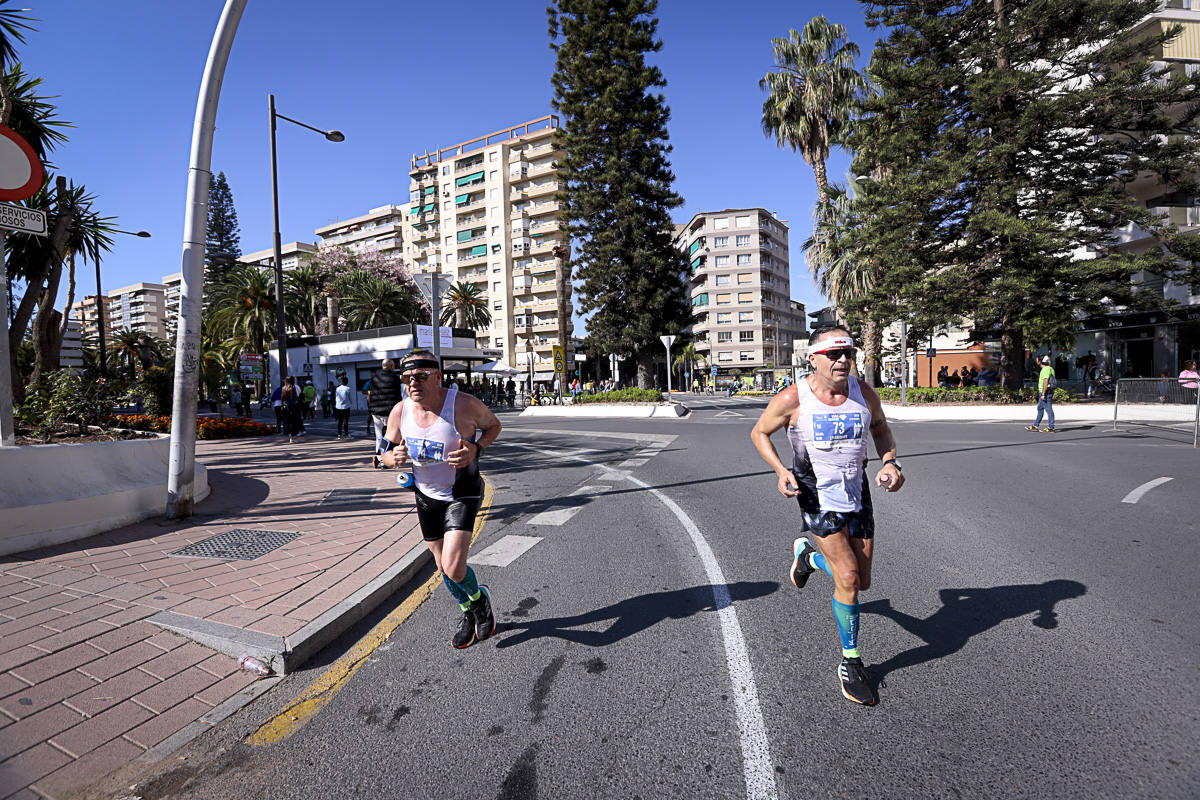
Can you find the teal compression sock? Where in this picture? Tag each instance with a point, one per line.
(847, 622)
(470, 585)
(818, 561)
(460, 596)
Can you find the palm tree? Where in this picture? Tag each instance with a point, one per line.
(368, 301)
(686, 359)
(304, 298)
(125, 350)
(243, 305)
(467, 306)
(812, 94)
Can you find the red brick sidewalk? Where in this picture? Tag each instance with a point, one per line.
(88, 683)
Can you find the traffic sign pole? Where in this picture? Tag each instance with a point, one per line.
(667, 342)
(8, 434)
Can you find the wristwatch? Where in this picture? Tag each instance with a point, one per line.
(894, 463)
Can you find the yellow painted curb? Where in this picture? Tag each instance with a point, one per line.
(318, 693)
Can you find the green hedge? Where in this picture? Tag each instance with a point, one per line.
(622, 396)
(992, 395)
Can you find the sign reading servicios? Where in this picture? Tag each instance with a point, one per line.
(20, 218)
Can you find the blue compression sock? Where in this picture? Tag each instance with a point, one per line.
(817, 560)
(470, 585)
(847, 622)
(460, 596)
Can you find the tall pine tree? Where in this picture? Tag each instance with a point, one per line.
(618, 193)
(223, 236)
(1005, 137)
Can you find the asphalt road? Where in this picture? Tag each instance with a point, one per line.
(1035, 635)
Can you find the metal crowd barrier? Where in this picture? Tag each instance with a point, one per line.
(1178, 398)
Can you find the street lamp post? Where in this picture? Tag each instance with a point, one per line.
(333, 136)
(100, 305)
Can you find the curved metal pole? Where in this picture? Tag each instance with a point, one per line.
(182, 471)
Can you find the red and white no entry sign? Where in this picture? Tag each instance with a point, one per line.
(21, 172)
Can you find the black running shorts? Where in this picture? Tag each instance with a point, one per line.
(438, 516)
(860, 524)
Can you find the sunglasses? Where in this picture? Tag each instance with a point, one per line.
(419, 377)
(836, 355)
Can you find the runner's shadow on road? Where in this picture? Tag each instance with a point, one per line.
(969, 612)
(632, 615)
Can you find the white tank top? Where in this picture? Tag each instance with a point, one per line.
(830, 449)
(430, 447)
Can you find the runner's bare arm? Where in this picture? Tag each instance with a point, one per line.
(397, 456)
(885, 442)
(776, 415)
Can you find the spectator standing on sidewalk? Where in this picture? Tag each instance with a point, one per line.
(290, 399)
(1188, 377)
(1046, 385)
(341, 408)
(383, 393)
(277, 404)
(310, 399)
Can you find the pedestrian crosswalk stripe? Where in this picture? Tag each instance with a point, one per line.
(558, 515)
(503, 551)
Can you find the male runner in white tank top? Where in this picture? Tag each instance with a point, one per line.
(827, 415)
(434, 429)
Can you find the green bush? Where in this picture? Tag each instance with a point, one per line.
(61, 398)
(155, 387)
(622, 396)
(991, 395)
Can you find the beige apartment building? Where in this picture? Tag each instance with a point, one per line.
(744, 318)
(483, 211)
(138, 307)
(380, 230)
(87, 311)
(291, 255)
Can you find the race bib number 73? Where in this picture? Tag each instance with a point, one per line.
(832, 429)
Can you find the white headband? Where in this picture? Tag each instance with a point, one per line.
(832, 343)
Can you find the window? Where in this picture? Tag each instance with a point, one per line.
(496, 306)
(494, 175)
(743, 259)
(495, 230)
(745, 297)
(446, 170)
(745, 355)
(721, 261)
(724, 299)
(496, 286)
(723, 280)
(495, 194)
(745, 277)
(743, 240)
(495, 268)
(745, 316)
(742, 221)
(724, 319)
(497, 342)
(725, 356)
(720, 241)
(724, 336)
(745, 336)
(721, 224)
(449, 240)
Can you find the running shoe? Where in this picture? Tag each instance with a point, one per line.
(1033, 428)
(801, 569)
(485, 617)
(1048, 430)
(855, 684)
(465, 637)
(376, 463)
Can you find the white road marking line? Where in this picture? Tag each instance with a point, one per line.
(727, 414)
(664, 439)
(630, 463)
(558, 515)
(756, 749)
(1137, 493)
(504, 551)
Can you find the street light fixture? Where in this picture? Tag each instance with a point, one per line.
(331, 135)
(101, 306)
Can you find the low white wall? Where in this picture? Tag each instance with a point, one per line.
(608, 410)
(55, 493)
(1068, 412)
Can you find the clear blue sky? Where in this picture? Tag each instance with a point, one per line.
(127, 73)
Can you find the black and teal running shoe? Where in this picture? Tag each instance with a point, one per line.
(801, 569)
(465, 637)
(485, 617)
(855, 683)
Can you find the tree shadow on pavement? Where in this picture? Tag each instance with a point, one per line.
(969, 612)
(632, 615)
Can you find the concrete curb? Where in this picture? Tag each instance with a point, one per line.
(285, 654)
(610, 410)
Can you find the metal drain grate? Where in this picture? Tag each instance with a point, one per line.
(346, 497)
(243, 544)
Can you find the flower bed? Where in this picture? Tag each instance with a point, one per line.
(992, 395)
(622, 396)
(206, 427)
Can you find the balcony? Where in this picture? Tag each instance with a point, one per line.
(537, 170)
(470, 204)
(545, 226)
(545, 327)
(463, 221)
(544, 207)
(468, 164)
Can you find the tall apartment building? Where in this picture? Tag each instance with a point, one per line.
(380, 230)
(139, 307)
(291, 255)
(174, 286)
(88, 312)
(484, 212)
(744, 317)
